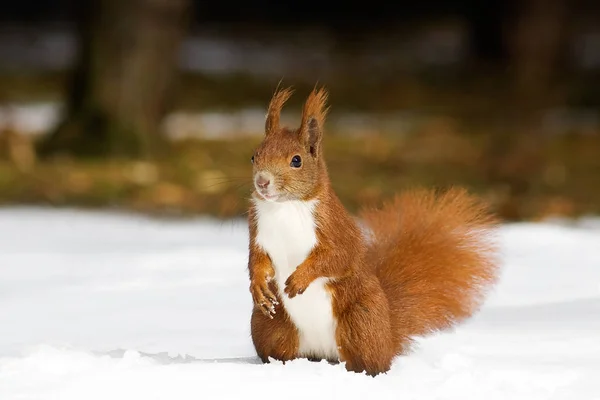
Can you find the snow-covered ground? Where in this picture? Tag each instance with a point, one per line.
(109, 306)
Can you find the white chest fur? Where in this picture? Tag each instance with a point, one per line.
(287, 232)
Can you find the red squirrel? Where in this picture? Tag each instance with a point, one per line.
(325, 288)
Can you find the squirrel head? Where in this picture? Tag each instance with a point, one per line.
(288, 164)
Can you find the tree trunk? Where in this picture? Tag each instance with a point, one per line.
(124, 77)
(537, 44)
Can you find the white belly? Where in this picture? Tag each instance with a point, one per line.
(287, 232)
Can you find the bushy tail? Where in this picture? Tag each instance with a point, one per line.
(435, 256)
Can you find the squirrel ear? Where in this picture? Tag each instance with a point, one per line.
(274, 111)
(313, 118)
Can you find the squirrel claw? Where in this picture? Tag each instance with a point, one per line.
(264, 299)
(292, 287)
(268, 311)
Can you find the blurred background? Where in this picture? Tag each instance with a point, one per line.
(155, 106)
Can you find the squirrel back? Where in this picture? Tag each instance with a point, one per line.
(321, 289)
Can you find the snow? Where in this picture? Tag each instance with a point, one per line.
(38, 118)
(98, 305)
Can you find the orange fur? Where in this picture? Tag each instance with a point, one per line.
(425, 265)
(274, 110)
(434, 255)
(315, 108)
(261, 274)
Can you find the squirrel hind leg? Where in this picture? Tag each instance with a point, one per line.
(364, 335)
(275, 338)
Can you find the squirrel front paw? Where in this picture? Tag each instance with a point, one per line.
(296, 284)
(263, 297)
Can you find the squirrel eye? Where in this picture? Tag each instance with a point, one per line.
(252, 159)
(296, 162)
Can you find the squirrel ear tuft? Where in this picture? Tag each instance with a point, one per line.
(313, 119)
(274, 110)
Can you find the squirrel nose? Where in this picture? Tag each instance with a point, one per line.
(262, 181)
